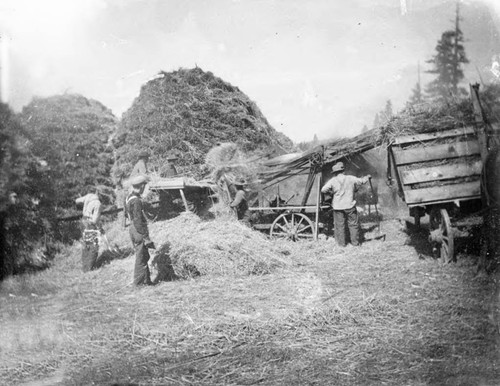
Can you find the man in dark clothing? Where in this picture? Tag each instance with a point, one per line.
(170, 169)
(343, 187)
(139, 233)
(240, 203)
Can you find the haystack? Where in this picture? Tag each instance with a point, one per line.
(71, 133)
(188, 112)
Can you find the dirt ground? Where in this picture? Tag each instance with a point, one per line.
(385, 313)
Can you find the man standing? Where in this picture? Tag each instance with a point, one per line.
(343, 187)
(92, 229)
(139, 233)
(141, 166)
(240, 203)
(170, 169)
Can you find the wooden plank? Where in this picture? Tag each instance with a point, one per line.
(167, 184)
(435, 152)
(441, 172)
(480, 122)
(443, 193)
(310, 208)
(407, 139)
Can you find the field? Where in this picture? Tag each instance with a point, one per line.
(385, 313)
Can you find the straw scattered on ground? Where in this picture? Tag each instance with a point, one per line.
(383, 313)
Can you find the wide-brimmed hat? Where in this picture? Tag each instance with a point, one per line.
(338, 167)
(138, 180)
(241, 182)
(143, 154)
(172, 157)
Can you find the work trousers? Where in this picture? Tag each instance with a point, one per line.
(244, 217)
(90, 249)
(141, 269)
(340, 219)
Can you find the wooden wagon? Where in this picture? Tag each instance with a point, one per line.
(439, 173)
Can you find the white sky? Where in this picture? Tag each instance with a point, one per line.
(320, 67)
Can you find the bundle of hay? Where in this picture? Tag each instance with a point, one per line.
(189, 247)
(227, 164)
(187, 112)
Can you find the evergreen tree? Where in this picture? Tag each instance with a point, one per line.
(447, 64)
(364, 129)
(417, 96)
(388, 113)
(376, 121)
(385, 115)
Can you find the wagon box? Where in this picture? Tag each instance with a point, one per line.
(439, 167)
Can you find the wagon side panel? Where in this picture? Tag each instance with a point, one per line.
(438, 167)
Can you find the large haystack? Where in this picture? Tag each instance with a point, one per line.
(188, 112)
(71, 132)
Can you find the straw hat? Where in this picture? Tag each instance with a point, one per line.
(338, 167)
(138, 180)
(241, 182)
(143, 154)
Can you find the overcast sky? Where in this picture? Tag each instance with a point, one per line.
(320, 67)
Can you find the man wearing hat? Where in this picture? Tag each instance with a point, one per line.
(139, 233)
(342, 187)
(170, 169)
(141, 167)
(91, 220)
(240, 203)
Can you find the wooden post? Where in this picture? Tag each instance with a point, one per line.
(318, 207)
(184, 200)
(480, 122)
(309, 185)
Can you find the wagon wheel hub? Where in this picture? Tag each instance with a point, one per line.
(441, 234)
(291, 231)
(436, 236)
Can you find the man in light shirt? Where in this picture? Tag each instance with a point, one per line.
(141, 166)
(342, 187)
(91, 220)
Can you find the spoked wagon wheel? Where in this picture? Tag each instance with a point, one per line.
(442, 233)
(292, 226)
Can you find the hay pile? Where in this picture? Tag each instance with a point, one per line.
(71, 133)
(192, 247)
(227, 164)
(188, 112)
(429, 118)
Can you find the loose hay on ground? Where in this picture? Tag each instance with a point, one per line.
(219, 247)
